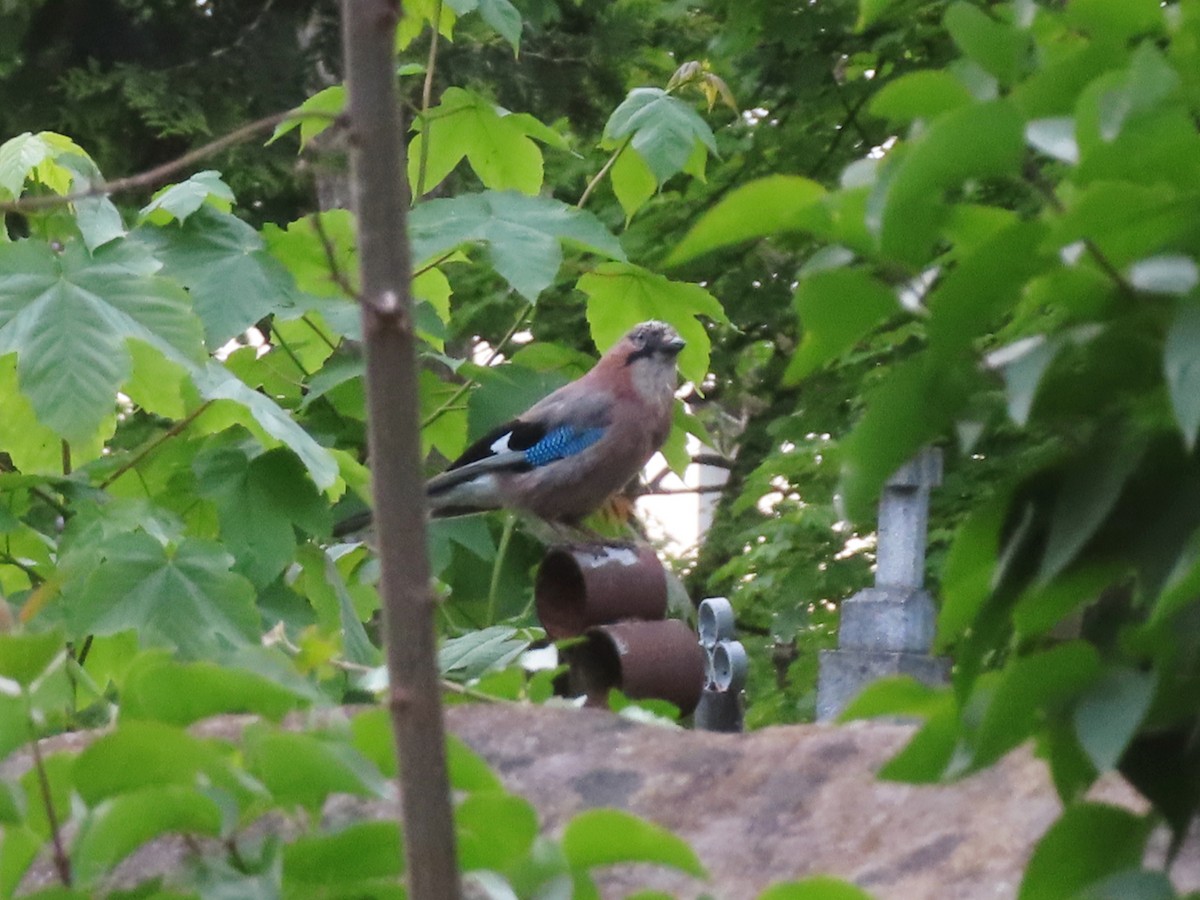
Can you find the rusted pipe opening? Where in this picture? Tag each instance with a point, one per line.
(583, 585)
(645, 660)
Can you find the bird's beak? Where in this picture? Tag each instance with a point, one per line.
(673, 346)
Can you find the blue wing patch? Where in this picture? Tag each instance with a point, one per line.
(561, 442)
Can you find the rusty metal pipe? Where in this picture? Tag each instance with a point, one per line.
(645, 660)
(581, 585)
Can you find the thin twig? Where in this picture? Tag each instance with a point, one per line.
(1034, 177)
(287, 348)
(171, 432)
(30, 572)
(335, 270)
(160, 173)
(426, 102)
(670, 492)
(62, 863)
(324, 338)
(599, 176)
(471, 382)
(457, 688)
(510, 522)
(66, 458)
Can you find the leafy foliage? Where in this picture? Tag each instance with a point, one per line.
(998, 219)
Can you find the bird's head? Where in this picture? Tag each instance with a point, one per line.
(648, 354)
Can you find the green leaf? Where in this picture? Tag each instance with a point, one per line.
(1119, 98)
(344, 862)
(837, 308)
(926, 757)
(179, 693)
(1115, 19)
(1042, 606)
(98, 218)
(318, 250)
(1088, 842)
(184, 597)
(998, 48)
(476, 652)
(498, 149)
(314, 115)
(494, 830)
(919, 95)
(888, 435)
(620, 295)
(24, 657)
(469, 771)
(1110, 712)
(970, 568)
(1029, 687)
(222, 261)
(268, 420)
(522, 234)
(1182, 369)
(140, 755)
(505, 18)
(261, 502)
(303, 769)
(122, 824)
(632, 182)
(19, 847)
(871, 11)
(978, 141)
(178, 201)
(68, 316)
(778, 203)
(1088, 494)
(899, 696)
(37, 156)
(663, 130)
(601, 837)
(33, 447)
(820, 887)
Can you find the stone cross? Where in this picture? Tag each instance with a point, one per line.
(888, 629)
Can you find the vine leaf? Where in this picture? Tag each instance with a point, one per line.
(497, 146)
(268, 420)
(620, 295)
(260, 502)
(523, 234)
(663, 130)
(178, 201)
(182, 596)
(223, 262)
(69, 316)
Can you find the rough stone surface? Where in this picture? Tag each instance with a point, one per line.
(901, 620)
(771, 805)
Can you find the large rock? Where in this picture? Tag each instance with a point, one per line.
(772, 805)
(785, 802)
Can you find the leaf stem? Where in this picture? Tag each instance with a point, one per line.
(599, 176)
(471, 382)
(171, 432)
(62, 863)
(510, 522)
(426, 102)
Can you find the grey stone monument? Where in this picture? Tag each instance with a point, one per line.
(888, 629)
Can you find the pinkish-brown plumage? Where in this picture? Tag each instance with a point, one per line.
(571, 451)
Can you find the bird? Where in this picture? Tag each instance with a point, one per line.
(565, 456)
(570, 452)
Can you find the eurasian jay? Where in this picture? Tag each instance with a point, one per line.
(568, 453)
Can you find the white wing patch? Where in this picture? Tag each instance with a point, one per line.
(500, 445)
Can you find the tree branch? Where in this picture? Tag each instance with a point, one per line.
(381, 203)
(160, 173)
